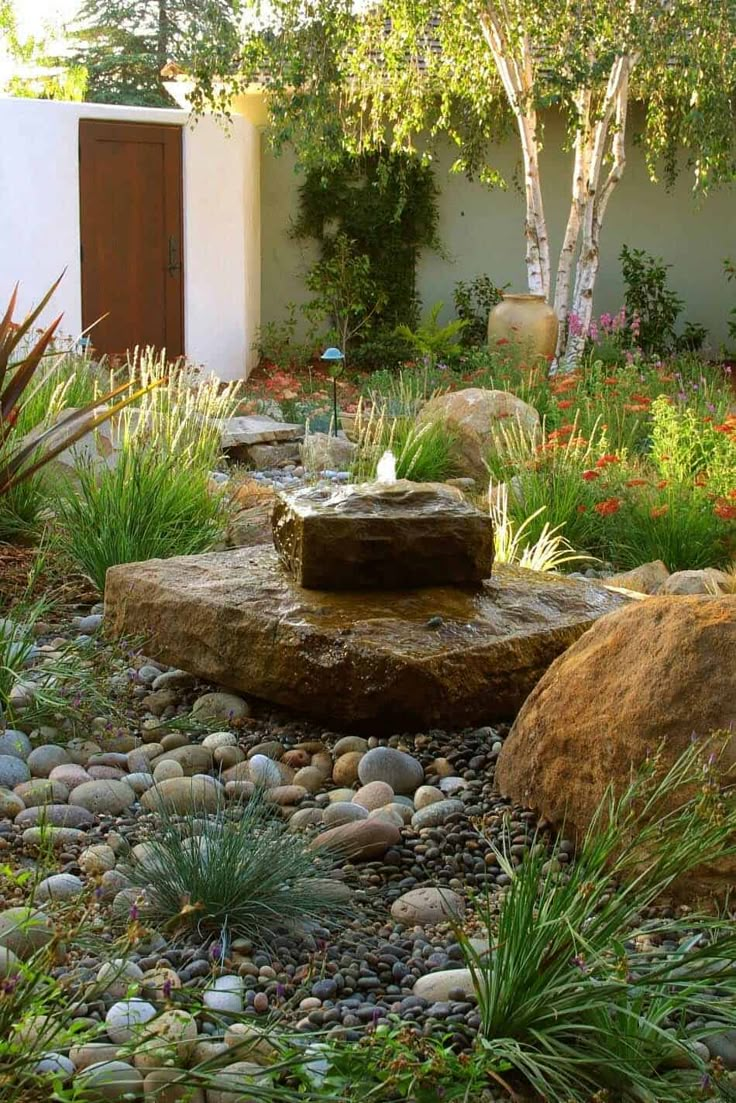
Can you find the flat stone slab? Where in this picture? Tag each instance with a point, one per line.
(382, 536)
(257, 429)
(443, 657)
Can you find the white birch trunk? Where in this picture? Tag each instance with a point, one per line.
(583, 149)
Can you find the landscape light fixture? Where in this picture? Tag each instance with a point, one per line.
(335, 361)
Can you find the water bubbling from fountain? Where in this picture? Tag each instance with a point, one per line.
(386, 468)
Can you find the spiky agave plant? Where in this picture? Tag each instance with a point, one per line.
(20, 461)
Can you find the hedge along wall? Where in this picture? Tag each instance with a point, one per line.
(481, 232)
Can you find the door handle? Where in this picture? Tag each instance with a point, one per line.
(174, 264)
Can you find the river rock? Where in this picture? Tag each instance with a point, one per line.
(70, 774)
(185, 794)
(224, 707)
(426, 795)
(55, 815)
(60, 886)
(193, 759)
(24, 930)
(646, 677)
(382, 536)
(311, 778)
(110, 1082)
(125, 1019)
(440, 657)
(345, 770)
(57, 837)
(374, 795)
(264, 771)
(15, 743)
(166, 1085)
(110, 797)
(343, 812)
(225, 994)
(427, 905)
(350, 744)
(10, 804)
(42, 791)
(13, 771)
(166, 769)
(359, 841)
(438, 986)
(398, 769)
(42, 760)
(432, 815)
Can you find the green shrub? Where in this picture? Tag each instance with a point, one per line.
(567, 997)
(685, 447)
(147, 506)
(653, 306)
(474, 300)
(236, 873)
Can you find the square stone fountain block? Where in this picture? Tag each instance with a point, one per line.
(399, 660)
(382, 536)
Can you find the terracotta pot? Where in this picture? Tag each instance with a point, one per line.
(527, 319)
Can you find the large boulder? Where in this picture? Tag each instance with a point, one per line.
(477, 416)
(437, 657)
(650, 675)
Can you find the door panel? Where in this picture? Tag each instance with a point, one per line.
(131, 235)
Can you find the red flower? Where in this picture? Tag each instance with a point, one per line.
(605, 460)
(658, 511)
(582, 509)
(661, 484)
(725, 510)
(636, 482)
(608, 507)
(565, 405)
(502, 341)
(590, 475)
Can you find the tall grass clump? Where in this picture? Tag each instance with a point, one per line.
(573, 996)
(234, 873)
(424, 453)
(147, 506)
(512, 544)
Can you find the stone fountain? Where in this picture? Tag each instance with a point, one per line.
(375, 609)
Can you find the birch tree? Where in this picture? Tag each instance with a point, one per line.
(407, 72)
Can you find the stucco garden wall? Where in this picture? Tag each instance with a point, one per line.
(482, 233)
(39, 221)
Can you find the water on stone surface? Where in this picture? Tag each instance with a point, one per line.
(386, 469)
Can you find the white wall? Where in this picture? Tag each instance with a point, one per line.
(39, 221)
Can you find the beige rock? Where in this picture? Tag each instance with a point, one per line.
(310, 777)
(170, 1086)
(709, 581)
(193, 759)
(646, 579)
(185, 794)
(478, 417)
(647, 676)
(374, 795)
(286, 794)
(110, 797)
(427, 794)
(345, 770)
(23, 931)
(438, 986)
(429, 905)
(167, 768)
(236, 618)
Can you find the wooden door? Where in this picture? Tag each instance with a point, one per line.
(131, 235)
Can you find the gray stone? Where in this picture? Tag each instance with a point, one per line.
(426, 795)
(60, 886)
(435, 814)
(325, 452)
(108, 796)
(15, 743)
(9, 963)
(42, 760)
(264, 456)
(236, 618)
(343, 812)
(110, 1081)
(257, 429)
(429, 905)
(437, 986)
(225, 994)
(264, 771)
(402, 772)
(23, 931)
(55, 815)
(708, 581)
(722, 1045)
(185, 794)
(125, 1019)
(13, 770)
(42, 791)
(54, 836)
(10, 804)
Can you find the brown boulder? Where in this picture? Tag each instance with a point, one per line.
(360, 840)
(476, 416)
(397, 661)
(649, 675)
(645, 579)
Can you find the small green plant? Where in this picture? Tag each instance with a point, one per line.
(474, 300)
(567, 1000)
(280, 342)
(423, 453)
(344, 291)
(235, 873)
(730, 269)
(648, 299)
(548, 552)
(147, 506)
(432, 342)
(684, 446)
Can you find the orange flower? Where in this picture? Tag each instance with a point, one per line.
(661, 484)
(605, 460)
(636, 482)
(658, 511)
(566, 404)
(582, 509)
(608, 507)
(502, 341)
(638, 408)
(731, 493)
(590, 475)
(725, 510)
(611, 381)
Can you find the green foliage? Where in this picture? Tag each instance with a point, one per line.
(237, 873)
(424, 454)
(685, 447)
(124, 44)
(730, 269)
(676, 523)
(567, 996)
(649, 300)
(548, 552)
(344, 291)
(147, 506)
(279, 342)
(431, 341)
(386, 205)
(474, 301)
